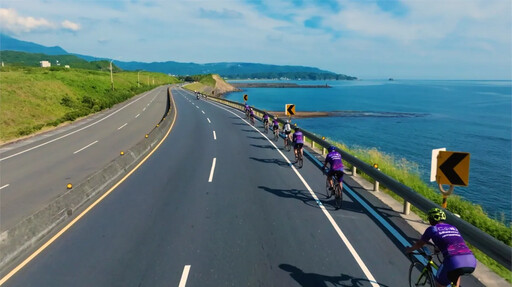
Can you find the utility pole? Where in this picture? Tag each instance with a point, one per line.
(111, 76)
(138, 79)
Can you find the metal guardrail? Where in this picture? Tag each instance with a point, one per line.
(489, 245)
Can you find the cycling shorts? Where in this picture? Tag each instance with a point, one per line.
(275, 127)
(287, 132)
(455, 266)
(339, 174)
(265, 121)
(298, 145)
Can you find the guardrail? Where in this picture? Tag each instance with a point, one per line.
(489, 245)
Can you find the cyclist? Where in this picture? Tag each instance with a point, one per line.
(246, 110)
(265, 119)
(298, 140)
(287, 131)
(458, 259)
(335, 167)
(251, 115)
(275, 124)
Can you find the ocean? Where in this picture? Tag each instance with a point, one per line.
(409, 118)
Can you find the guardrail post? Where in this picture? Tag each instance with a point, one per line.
(323, 151)
(407, 207)
(376, 186)
(354, 170)
(312, 144)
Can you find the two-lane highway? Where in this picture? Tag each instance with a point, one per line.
(218, 205)
(37, 170)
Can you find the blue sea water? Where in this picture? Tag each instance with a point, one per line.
(410, 118)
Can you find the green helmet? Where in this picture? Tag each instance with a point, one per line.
(436, 215)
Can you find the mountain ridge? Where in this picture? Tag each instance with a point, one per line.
(231, 70)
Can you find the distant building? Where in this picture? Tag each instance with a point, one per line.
(45, 64)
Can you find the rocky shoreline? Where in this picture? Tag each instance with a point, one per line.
(277, 85)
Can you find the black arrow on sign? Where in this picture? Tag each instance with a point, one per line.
(448, 168)
(290, 109)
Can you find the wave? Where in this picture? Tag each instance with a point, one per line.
(374, 114)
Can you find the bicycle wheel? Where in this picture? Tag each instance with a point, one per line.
(338, 196)
(420, 276)
(327, 186)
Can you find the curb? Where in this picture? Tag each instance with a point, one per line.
(29, 232)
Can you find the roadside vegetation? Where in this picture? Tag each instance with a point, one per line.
(34, 99)
(407, 173)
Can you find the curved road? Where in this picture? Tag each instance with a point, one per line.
(218, 205)
(37, 170)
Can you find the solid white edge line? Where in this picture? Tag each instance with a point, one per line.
(212, 170)
(345, 240)
(85, 147)
(184, 276)
(122, 126)
(4, 186)
(73, 132)
(214, 135)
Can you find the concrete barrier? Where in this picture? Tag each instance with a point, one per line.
(28, 233)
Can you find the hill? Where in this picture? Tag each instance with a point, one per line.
(210, 84)
(228, 70)
(50, 97)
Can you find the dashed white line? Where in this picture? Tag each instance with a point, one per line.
(144, 109)
(137, 115)
(197, 107)
(214, 136)
(184, 276)
(4, 186)
(342, 236)
(122, 126)
(212, 170)
(203, 112)
(85, 147)
(208, 120)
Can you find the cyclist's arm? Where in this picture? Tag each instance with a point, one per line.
(420, 243)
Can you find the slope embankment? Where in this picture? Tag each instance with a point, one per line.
(211, 85)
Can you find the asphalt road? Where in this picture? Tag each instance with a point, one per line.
(218, 205)
(37, 170)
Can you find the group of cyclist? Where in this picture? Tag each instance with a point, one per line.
(458, 261)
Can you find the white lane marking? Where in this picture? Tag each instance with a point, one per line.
(203, 112)
(137, 115)
(197, 107)
(212, 170)
(122, 126)
(345, 240)
(208, 120)
(144, 109)
(4, 186)
(85, 147)
(184, 276)
(214, 136)
(73, 132)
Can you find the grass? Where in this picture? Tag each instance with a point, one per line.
(407, 173)
(34, 98)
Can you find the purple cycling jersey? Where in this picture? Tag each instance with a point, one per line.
(276, 123)
(298, 137)
(265, 117)
(447, 238)
(334, 159)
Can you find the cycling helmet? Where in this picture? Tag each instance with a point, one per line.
(331, 148)
(287, 121)
(435, 215)
(297, 129)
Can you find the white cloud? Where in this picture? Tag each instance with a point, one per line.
(10, 21)
(68, 25)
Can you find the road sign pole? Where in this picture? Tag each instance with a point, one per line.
(445, 194)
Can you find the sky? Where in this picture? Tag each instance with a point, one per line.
(369, 39)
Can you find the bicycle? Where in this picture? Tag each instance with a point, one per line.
(338, 195)
(265, 127)
(421, 274)
(276, 134)
(252, 119)
(298, 157)
(287, 143)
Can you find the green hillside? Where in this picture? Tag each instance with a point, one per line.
(34, 98)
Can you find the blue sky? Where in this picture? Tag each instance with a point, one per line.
(415, 39)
